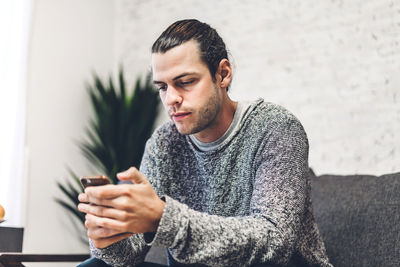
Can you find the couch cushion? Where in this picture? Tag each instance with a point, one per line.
(359, 218)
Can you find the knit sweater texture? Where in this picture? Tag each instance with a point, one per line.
(244, 203)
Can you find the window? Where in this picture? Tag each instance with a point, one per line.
(14, 36)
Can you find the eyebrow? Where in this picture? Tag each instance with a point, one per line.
(177, 77)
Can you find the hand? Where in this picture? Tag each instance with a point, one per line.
(121, 210)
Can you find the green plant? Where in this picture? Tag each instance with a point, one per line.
(116, 136)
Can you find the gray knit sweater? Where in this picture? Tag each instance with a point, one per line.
(246, 202)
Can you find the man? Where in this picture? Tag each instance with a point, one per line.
(233, 177)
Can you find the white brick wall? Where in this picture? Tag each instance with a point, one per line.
(334, 64)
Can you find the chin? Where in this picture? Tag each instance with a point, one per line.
(183, 131)
(192, 128)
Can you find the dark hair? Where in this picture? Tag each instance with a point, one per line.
(212, 47)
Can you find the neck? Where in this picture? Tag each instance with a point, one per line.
(221, 123)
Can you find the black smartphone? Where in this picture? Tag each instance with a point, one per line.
(94, 180)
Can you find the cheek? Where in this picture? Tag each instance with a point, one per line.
(162, 97)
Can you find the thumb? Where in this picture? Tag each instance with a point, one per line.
(132, 174)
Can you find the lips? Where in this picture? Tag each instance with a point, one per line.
(180, 115)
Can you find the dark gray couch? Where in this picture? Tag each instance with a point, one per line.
(359, 218)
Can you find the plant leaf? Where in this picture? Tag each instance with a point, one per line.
(115, 137)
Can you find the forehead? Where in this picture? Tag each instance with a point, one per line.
(180, 59)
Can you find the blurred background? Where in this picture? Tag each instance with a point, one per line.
(334, 64)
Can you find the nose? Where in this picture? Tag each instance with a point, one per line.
(173, 97)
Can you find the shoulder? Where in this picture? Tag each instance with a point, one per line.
(278, 132)
(270, 116)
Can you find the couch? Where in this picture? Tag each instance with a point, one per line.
(358, 217)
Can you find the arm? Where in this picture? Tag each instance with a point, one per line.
(121, 211)
(269, 233)
(116, 247)
(131, 250)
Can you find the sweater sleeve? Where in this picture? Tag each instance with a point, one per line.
(127, 252)
(269, 233)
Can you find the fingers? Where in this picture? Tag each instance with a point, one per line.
(94, 221)
(98, 193)
(97, 232)
(100, 232)
(82, 197)
(132, 174)
(115, 196)
(85, 198)
(101, 211)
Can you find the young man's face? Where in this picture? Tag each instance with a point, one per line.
(187, 91)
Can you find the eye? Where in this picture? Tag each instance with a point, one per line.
(184, 83)
(161, 87)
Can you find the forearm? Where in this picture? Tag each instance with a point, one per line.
(127, 252)
(195, 237)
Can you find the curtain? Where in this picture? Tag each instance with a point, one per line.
(15, 17)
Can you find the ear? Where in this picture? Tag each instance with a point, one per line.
(225, 72)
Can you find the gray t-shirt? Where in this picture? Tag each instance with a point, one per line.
(245, 201)
(240, 111)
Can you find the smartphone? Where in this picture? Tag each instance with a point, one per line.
(94, 180)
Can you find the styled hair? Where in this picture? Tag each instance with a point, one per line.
(212, 47)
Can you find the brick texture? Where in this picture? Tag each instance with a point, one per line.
(334, 64)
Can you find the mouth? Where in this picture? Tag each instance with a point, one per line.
(180, 116)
